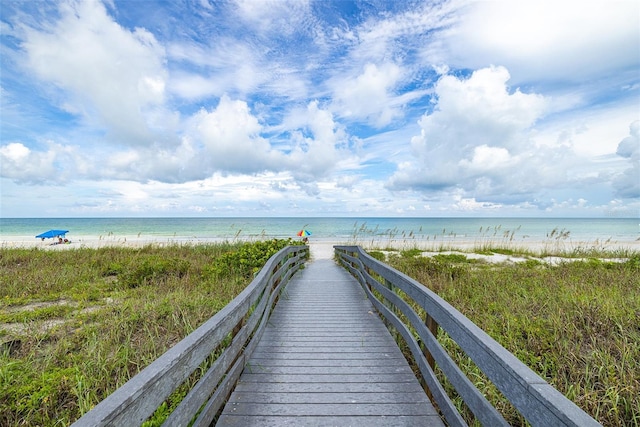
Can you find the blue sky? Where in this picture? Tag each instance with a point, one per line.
(320, 108)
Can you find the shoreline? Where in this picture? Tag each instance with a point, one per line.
(322, 248)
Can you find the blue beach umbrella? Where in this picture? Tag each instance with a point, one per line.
(51, 234)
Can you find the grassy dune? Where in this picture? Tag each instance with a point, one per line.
(577, 324)
(77, 324)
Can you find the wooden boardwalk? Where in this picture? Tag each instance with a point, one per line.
(326, 359)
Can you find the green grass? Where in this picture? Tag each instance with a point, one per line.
(77, 324)
(575, 324)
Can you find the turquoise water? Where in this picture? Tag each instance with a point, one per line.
(331, 229)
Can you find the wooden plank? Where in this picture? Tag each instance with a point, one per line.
(371, 363)
(315, 378)
(300, 337)
(330, 409)
(327, 370)
(335, 398)
(330, 421)
(328, 387)
(325, 358)
(329, 348)
(330, 356)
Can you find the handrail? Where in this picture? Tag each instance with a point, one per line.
(242, 320)
(538, 402)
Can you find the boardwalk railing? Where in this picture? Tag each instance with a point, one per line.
(241, 322)
(538, 402)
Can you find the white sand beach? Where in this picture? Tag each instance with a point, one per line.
(323, 248)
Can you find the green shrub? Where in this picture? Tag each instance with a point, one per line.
(409, 253)
(380, 256)
(248, 258)
(451, 258)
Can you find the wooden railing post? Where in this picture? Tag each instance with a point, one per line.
(432, 325)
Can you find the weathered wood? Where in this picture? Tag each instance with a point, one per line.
(476, 402)
(536, 400)
(332, 421)
(330, 409)
(324, 357)
(325, 353)
(205, 418)
(376, 362)
(137, 399)
(328, 370)
(329, 398)
(303, 387)
(432, 325)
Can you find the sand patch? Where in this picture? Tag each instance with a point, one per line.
(44, 325)
(321, 250)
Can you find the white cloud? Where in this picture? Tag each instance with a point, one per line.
(483, 105)
(544, 39)
(230, 136)
(482, 143)
(24, 165)
(392, 35)
(471, 204)
(629, 147)
(113, 77)
(316, 155)
(304, 108)
(477, 126)
(219, 66)
(281, 16)
(369, 96)
(486, 159)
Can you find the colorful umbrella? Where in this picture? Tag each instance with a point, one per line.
(304, 233)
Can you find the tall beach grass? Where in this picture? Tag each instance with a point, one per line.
(575, 323)
(77, 324)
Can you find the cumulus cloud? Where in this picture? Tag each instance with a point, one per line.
(109, 75)
(300, 104)
(230, 136)
(226, 139)
(24, 165)
(474, 138)
(486, 159)
(369, 95)
(316, 154)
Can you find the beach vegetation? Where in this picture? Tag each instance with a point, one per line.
(575, 323)
(411, 252)
(379, 255)
(76, 324)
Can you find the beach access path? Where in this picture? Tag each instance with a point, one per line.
(327, 359)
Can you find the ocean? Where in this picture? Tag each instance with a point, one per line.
(618, 231)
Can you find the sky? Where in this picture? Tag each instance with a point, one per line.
(303, 108)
